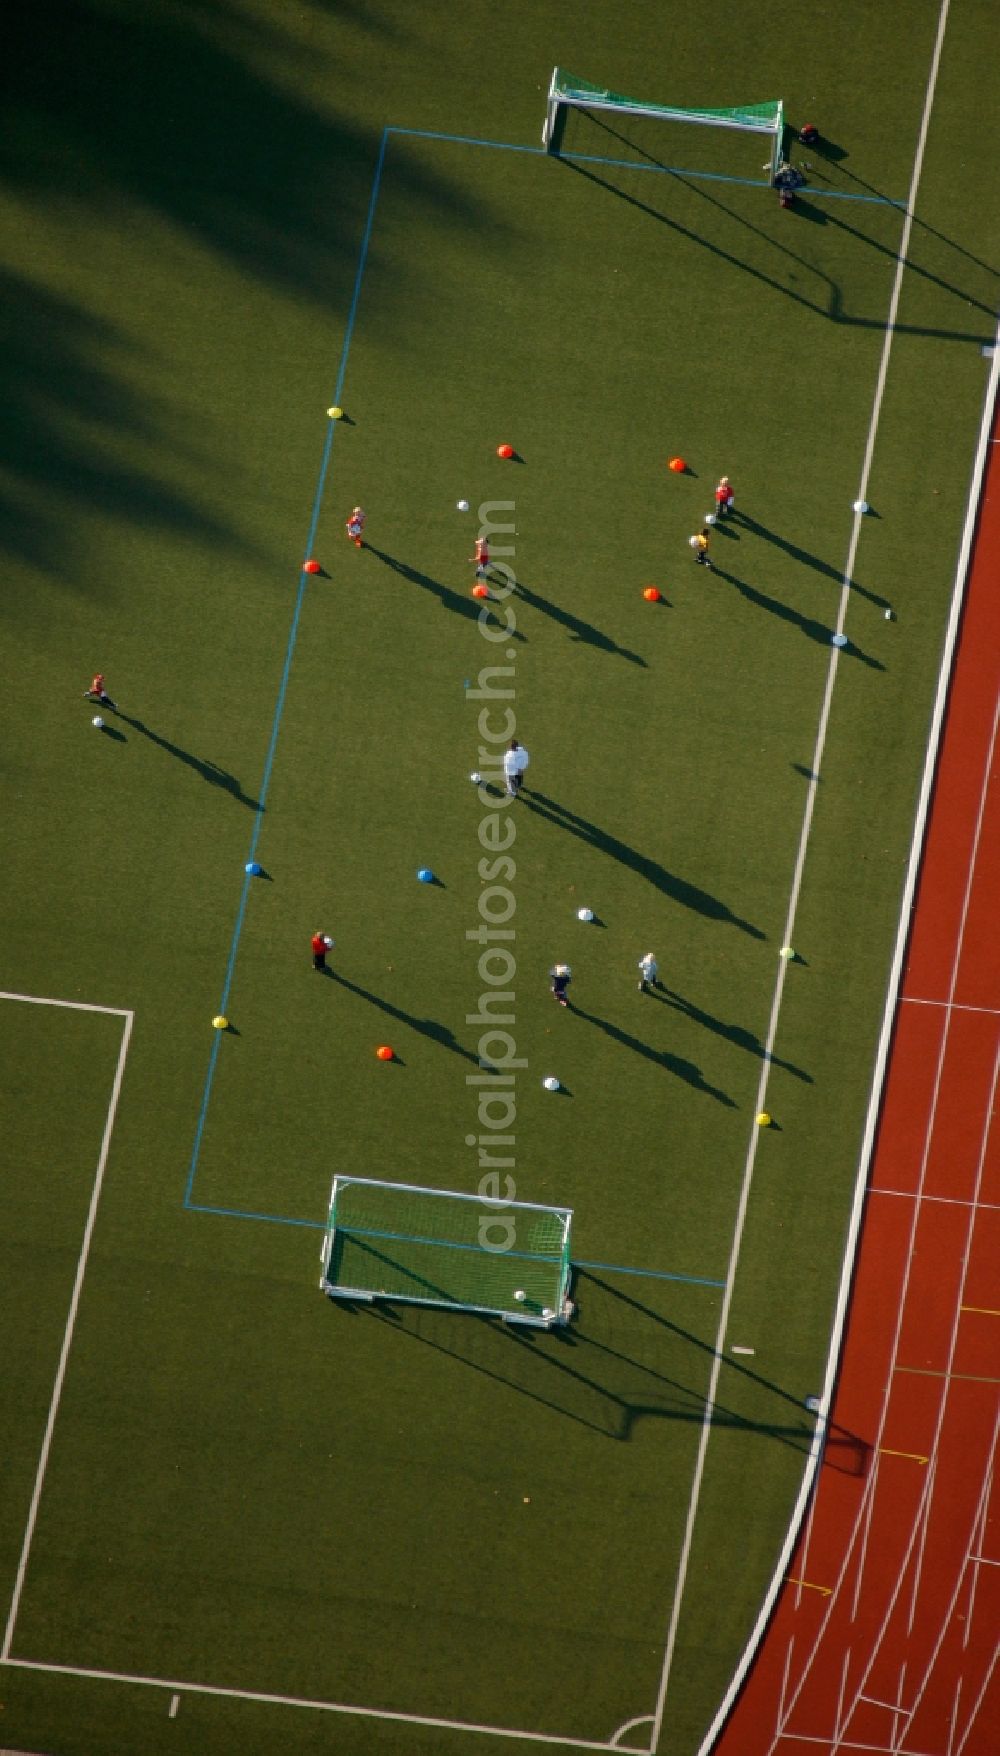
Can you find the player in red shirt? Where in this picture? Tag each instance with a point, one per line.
(321, 944)
(482, 558)
(725, 496)
(355, 527)
(97, 692)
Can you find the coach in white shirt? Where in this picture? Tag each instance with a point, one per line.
(515, 761)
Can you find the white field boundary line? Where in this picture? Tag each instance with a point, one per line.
(895, 976)
(174, 1685)
(816, 1447)
(74, 1304)
(67, 1005)
(258, 1695)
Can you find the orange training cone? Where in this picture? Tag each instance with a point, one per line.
(384, 1052)
(652, 594)
(505, 450)
(678, 465)
(480, 591)
(311, 567)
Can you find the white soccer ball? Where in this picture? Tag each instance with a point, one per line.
(476, 778)
(520, 1296)
(710, 518)
(98, 722)
(463, 505)
(551, 1083)
(584, 914)
(327, 941)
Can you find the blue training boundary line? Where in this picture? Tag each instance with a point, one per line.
(694, 1280)
(271, 1219)
(458, 140)
(469, 140)
(589, 158)
(279, 706)
(318, 1225)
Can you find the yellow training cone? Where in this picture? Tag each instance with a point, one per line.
(335, 414)
(763, 1119)
(220, 1023)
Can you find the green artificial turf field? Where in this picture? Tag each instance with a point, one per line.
(231, 1505)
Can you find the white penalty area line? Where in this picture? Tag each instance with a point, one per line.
(69, 1005)
(260, 1696)
(783, 967)
(74, 1304)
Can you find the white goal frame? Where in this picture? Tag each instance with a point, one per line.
(565, 92)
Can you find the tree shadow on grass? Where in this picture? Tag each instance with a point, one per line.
(580, 630)
(679, 889)
(210, 771)
(821, 632)
(425, 1027)
(471, 608)
(733, 1033)
(807, 559)
(671, 1063)
(218, 117)
(62, 388)
(210, 126)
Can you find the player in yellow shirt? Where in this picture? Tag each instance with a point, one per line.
(699, 543)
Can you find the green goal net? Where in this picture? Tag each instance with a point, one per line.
(567, 92)
(398, 1241)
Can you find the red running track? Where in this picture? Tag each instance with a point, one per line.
(884, 1633)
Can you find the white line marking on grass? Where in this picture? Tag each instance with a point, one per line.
(259, 1695)
(642, 1719)
(881, 1060)
(68, 1005)
(175, 1702)
(74, 1304)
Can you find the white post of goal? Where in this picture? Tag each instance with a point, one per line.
(565, 92)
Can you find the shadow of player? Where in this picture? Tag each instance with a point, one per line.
(674, 1064)
(471, 608)
(580, 630)
(210, 771)
(689, 895)
(425, 1027)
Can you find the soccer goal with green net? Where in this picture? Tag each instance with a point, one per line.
(399, 1241)
(565, 92)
